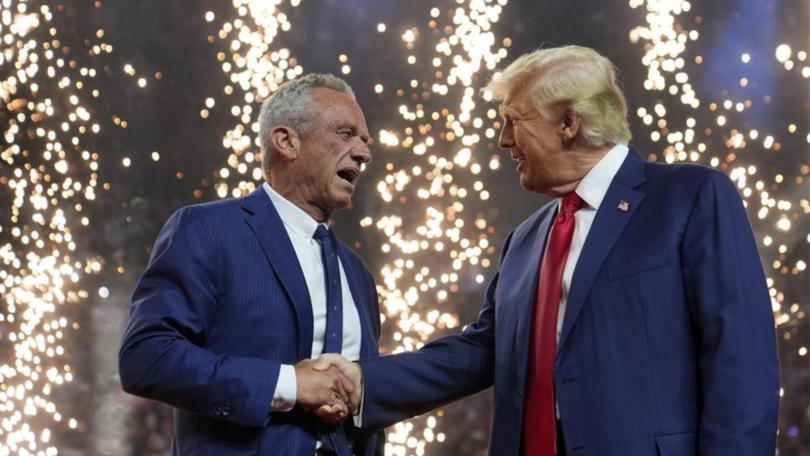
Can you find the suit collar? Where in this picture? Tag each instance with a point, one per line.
(595, 184)
(264, 221)
(291, 215)
(620, 203)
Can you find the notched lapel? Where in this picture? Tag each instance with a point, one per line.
(264, 221)
(525, 267)
(607, 226)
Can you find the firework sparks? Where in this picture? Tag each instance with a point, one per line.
(49, 176)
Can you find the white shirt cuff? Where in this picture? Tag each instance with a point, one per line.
(284, 396)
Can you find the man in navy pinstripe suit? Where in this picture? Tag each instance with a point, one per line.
(240, 294)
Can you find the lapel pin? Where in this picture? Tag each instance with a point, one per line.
(623, 206)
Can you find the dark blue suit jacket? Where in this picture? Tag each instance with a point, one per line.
(222, 304)
(668, 344)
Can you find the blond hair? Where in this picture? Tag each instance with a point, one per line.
(577, 77)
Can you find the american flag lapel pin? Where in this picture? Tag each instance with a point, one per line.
(623, 206)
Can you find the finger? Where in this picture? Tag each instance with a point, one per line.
(340, 411)
(337, 385)
(324, 362)
(348, 384)
(325, 411)
(332, 414)
(354, 403)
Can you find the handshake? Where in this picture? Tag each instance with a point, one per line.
(330, 386)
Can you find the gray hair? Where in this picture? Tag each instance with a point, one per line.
(292, 105)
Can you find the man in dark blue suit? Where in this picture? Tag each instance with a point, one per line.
(240, 294)
(629, 317)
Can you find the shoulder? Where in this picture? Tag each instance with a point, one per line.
(202, 220)
(208, 211)
(683, 187)
(686, 174)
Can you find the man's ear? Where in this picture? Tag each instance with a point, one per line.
(570, 124)
(285, 142)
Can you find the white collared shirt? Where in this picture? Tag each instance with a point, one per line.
(300, 228)
(592, 189)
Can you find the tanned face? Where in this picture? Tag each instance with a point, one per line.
(327, 160)
(548, 161)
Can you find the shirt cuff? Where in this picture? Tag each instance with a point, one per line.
(358, 419)
(284, 396)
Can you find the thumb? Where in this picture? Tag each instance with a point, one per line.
(323, 362)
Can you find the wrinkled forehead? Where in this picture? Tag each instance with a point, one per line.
(334, 106)
(519, 98)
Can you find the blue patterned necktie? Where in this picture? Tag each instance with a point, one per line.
(332, 437)
(333, 337)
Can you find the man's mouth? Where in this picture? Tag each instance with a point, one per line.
(519, 158)
(350, 175)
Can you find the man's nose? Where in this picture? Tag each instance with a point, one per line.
(361, 154)
(507, 139)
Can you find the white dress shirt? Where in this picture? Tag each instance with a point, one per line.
(300, 228)
(592, 189)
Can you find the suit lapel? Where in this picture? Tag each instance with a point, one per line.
(607, 226)
(264, 221)
(530, 254)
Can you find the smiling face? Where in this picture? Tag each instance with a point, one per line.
(542, 148)
(327, 161)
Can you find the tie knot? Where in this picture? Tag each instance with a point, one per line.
(322, 233)
(572, 203)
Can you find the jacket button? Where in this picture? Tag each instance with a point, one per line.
(520, 395)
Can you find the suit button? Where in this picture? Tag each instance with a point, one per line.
(520, 395)
(217, 411)
(226, 411)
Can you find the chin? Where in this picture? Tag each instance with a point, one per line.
(342, 201)
(527, 183)
(532, 186)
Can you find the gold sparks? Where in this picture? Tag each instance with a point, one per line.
(48, 174)
(435, 236)
(255, 69)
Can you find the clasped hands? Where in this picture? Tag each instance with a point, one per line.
(330, 386)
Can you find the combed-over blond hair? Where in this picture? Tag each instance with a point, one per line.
(577, 77)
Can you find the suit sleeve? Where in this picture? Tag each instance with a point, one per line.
(173, 306)
(731, 308)
(401, 386)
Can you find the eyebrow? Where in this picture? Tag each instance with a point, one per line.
(355, 132)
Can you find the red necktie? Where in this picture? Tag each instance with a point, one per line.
(539, 419)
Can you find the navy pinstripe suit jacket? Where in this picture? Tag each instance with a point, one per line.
(222, 304)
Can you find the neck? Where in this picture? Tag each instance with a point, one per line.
(297, 195)
(582, 159)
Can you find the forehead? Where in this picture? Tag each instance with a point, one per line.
(337, 107)
(518, 99)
